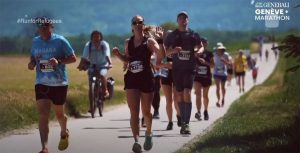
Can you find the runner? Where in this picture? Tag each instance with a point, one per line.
(230, 71)
(254, 70)
(202, 80)
(169, 90)
(221, 61)
(182, 42)
(267, 54)
(50, 53)
(138, 79)
(240, 65)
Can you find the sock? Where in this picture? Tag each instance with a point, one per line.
(188, 109)
(182, 112)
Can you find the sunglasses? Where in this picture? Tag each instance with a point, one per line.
(137, 22)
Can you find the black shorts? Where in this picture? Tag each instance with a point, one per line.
(57, 94)
(183, 79)
(240, 73)
(205, 82)
(229, 71)
(143, 82)
(168, 80)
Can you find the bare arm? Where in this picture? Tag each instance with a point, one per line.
(70, 59)
(117, 53)
(31, 63)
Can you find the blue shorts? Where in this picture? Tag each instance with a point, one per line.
(223, 78)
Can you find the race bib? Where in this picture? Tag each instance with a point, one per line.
(45, 66)
(220, 69)
(202, 70)
(136, 66)
(184, 55)
(164, 72)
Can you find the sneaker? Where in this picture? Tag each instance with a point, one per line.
(156, 115)
(223, 102)
(182, 129)
(218, 104)
(198, 116)
(187, 129)
(143, 123)
(170, 126)
(137, 148)
(178, 120)
(45, 150)
(148, 141)
(64, 142)
(205, 115)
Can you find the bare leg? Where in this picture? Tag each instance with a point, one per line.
(198, 93)
(44, 106)
(169, 99)
(62, 118)
(133, 101)
(147, 99)
(205, 97)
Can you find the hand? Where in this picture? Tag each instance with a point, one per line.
(53, 61)
(201, 60)
(31, 65)
(116, 51)
(177, 49)
(159, 33)
(109, 66)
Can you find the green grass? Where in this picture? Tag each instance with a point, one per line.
(17, 98)
(267, 119)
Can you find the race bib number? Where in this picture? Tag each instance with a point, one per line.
(136, 66)
(220, 69)
(202, 70)
(45, 66)
(184, 55)
(164, 72)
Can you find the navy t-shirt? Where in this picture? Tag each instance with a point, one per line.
(188, 40)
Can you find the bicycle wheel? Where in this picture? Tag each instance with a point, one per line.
(93, 100)
(100, 107)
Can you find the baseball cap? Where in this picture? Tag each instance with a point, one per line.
(183, 13)
(43, 22)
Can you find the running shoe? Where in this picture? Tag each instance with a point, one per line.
(143, 123)
(148, 141)
(137, 148)
(187, 129)
(156, 115)
(218, 104)
(170, 126)
(45, 150)
(64, 141)
(178, 120)
(198, 116)
(223, 102)
(205, 115)
(182, 129)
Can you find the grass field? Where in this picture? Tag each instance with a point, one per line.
(17, 98)
(265, 120)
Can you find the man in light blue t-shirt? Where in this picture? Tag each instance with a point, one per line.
(49, 54)
(97, 53)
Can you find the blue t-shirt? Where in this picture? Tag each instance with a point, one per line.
(98, 56)
(58, 47)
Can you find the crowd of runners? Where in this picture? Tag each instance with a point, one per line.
(154, 58)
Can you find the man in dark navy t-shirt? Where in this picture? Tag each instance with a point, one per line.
(183, 43)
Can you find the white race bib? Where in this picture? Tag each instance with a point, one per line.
(184, 55)
(202, 70)
(164, 72)
(136, 66)
(220, 69)
(45, 66)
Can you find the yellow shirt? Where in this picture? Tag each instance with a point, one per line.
(240, 63)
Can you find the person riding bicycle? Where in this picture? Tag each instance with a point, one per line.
(96, 52)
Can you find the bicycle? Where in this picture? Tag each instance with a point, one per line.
(97, 97)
